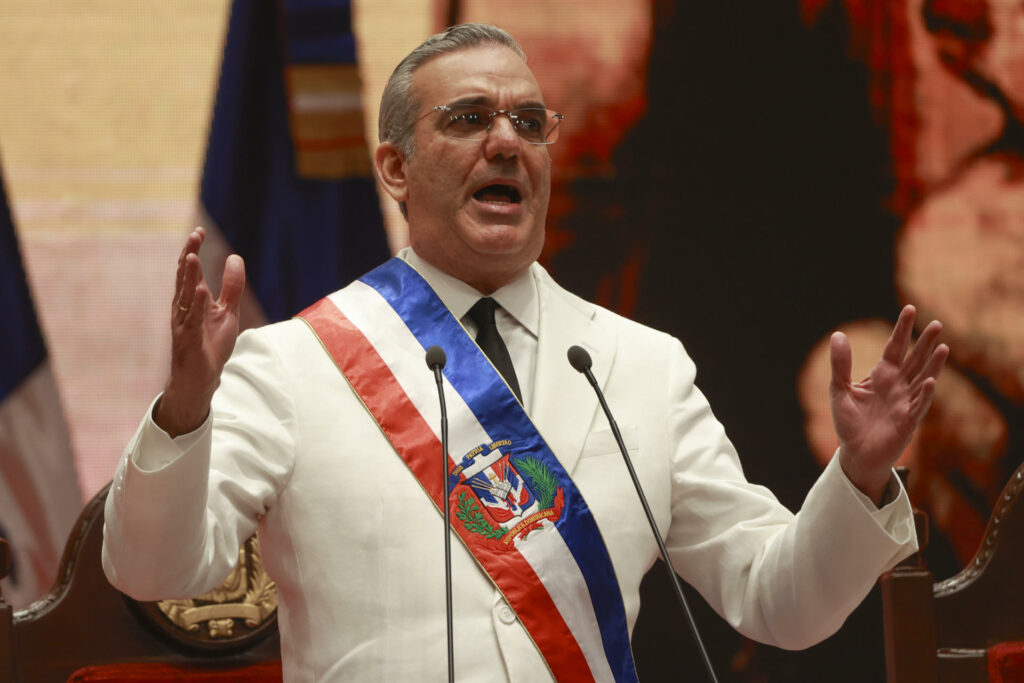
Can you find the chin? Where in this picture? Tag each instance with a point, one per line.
(504, 238)
(516, 254)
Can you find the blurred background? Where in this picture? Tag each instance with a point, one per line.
(746, 176)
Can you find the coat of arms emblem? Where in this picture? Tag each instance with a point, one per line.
(502, 495)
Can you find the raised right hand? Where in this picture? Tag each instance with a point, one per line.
(203, 334)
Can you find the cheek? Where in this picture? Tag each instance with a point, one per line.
(443, 186)
(542, 192)
(433, 190)
(541, 178)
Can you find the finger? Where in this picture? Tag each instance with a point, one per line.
(930, 372)
(193, 276)
(232, 282)
(180, 273)
(179, 280)
(184, 248)
(923, 349)
(924, 399)
(899, 340)
(192, 244)
(200, 304)
(935, 362)
(841, 358)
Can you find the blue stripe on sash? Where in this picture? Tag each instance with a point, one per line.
(501, 416)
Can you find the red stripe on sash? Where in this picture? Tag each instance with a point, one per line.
(415, 442)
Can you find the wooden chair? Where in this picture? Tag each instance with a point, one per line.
(969, 628)
(86, 630)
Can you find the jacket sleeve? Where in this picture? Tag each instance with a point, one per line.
(179, 510)
(783, 579)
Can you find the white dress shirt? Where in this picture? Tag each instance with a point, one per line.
(517, 318)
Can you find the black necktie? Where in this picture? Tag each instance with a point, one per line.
(490, 342)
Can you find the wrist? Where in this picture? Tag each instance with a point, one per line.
(871, 480)
(176, 415)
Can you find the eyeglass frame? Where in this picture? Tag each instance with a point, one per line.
(510, 114)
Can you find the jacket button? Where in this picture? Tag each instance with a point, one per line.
(505, 614)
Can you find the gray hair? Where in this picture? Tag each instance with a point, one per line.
(398, 108)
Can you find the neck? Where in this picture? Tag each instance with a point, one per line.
(486, 282)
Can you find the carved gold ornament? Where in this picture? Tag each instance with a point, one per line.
(247, 594)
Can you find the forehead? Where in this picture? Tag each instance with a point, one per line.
(490, 74)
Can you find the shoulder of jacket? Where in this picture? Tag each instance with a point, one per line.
(600, 314)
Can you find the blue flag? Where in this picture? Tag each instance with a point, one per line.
(287, 178)
(39, 493)
(21, 345)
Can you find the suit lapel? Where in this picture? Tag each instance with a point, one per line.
(564, 403)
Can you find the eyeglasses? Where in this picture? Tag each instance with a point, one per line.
(472, 122)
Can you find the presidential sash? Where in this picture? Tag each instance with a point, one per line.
(511, 502)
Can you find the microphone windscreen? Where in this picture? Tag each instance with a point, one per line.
(579, 358)
(436, 357)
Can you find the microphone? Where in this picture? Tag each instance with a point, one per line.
(436, 360)
(579, 359)
(581, 362)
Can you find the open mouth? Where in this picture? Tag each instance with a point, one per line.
(501, 194)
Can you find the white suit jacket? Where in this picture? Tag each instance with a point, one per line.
(355, 546)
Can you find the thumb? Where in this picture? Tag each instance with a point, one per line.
(841, 358)
(233, 282)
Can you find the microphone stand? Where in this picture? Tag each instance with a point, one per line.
(435, 361)
(580, 360)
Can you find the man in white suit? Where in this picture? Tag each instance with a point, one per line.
(281, 433)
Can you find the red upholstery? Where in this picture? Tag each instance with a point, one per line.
(1006, 663)
(149, 672)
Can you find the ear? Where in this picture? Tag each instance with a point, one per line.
(390, 164)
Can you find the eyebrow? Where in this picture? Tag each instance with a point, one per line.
(484, 100)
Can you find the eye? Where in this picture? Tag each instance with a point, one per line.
(467, 118)
(531, 123)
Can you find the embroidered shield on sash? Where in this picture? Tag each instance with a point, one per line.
(502, 496)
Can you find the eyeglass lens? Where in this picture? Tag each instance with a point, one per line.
(472, 121)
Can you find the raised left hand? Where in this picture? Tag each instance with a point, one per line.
(875, 418)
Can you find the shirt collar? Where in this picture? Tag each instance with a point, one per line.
(518, 298)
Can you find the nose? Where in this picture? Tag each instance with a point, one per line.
(502, 139)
